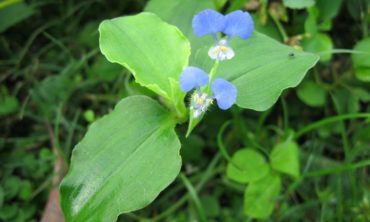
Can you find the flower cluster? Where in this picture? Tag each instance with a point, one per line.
(237, 23)
(211, 22)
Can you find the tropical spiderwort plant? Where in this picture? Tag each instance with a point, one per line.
(237, 23)
(131, 154)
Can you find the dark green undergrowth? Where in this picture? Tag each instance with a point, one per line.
(54, 83)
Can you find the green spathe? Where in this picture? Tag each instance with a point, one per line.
(124, 161)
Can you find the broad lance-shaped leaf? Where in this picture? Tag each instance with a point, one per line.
(261, 69)
(124, 161)
(154, 52)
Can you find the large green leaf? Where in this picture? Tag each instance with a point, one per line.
(154, 51)
(180, 13)
(260, 196)
(261, 69)
(285, 158)
(247, 166)
(124, 161)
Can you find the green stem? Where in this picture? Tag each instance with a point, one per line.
(324, 172)
(342, 51)
(330, 120)
(193, 194)
(212, 75)
(285, 114)
(280, 28)
(193, 122)
(342, 130)
(339, 169)
(220, 143)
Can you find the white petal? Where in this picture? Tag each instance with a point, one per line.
(229, 53)
(213, 52)
(221, 52)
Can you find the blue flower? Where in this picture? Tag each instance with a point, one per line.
(237, 23)
(208, 22)
(192, 77)
(223, 91)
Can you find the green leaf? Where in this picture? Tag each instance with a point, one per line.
(261, 69)
(247, 166)
(310, 25)
(124, 161)
(285, 158)
(154, 51)
(211, 205)
(8, 104)
(13, 13)
(363, 74)
(298, 4)
(25, 191)
(260, 196)
(319, 43)
(328, 9)
(361, 61)
(8, 212)
(12, 186)
(311, 94)
(180, 13)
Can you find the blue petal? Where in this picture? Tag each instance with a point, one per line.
(224, 92)
(208, 22)
(192, 77)
(238, 23)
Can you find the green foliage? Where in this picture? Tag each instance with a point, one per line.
(328, 9)
(169, 12)
(320, 43)
(311, 94)
(124, 161)
(152, 50)
(260, 196)
(12, 12)
(8, 104)
(247, 166)
(285, 158)
(361, 61)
